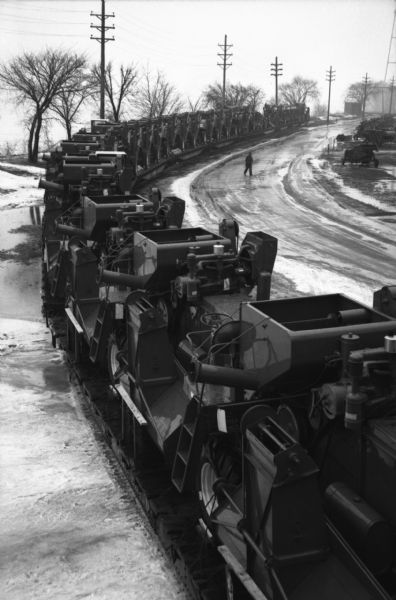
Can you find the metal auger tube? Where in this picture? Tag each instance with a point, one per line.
(218, 375)
(134, 282)
(72, 231)
(50, 186)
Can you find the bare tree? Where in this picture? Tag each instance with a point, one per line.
(356, 91)
(213, 95)
(236, 95)
(298, 91)
(157, 97)
(37, 79)
(194, 105)
(255, 97)
(69, 101)
(117, 90)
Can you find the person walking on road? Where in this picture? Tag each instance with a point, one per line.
(248, 164)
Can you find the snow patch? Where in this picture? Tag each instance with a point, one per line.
(30, 168)
(314, 281)
(354, 193)
(18, 190)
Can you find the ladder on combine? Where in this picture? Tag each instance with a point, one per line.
(188, 447)
(102, 330)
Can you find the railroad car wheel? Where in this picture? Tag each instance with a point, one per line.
(114, 348)
(219, 462)
(207, 497)
(164, 309)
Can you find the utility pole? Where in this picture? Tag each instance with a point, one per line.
(365, 81)
(276, 71)
(391, 95)
(330, 77)
(102, 40)
(225, 55)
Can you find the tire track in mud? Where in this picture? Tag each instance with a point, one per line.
(296, 188)
(303, 182)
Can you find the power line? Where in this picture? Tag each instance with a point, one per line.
(40, 33)
(21, 19)
(21, 6)
(151, 40)
(154, 48)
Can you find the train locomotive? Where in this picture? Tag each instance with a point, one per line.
(275, 418)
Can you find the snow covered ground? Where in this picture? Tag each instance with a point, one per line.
(19, 186)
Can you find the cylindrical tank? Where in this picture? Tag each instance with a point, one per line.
(362, 526)
(353, 316)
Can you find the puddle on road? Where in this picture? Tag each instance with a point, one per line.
(15, 219)
(29, 365)
(20, 286)
(20, 277)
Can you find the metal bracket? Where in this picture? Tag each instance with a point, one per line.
(248, 583)
(130, 404)
(74, 321)
(78, 330)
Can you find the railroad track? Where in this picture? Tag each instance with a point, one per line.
(174, 518)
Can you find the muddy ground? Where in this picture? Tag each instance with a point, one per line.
(368, 180)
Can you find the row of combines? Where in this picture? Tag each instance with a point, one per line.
(264, 429)
(152, 144)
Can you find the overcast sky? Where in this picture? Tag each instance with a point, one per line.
(181, 38)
